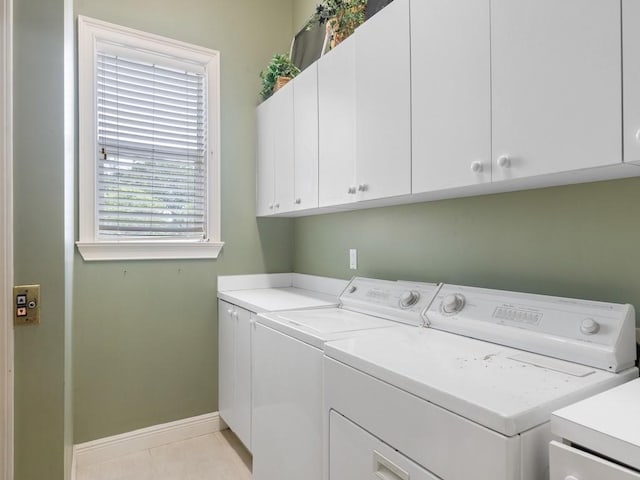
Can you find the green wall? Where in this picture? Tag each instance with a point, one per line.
(577, 241)
(145, 333)
(302, 10)
(39, 237)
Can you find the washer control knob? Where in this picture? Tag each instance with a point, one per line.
(453, 303)
(409, 298)
(589, 326)
(504, 161)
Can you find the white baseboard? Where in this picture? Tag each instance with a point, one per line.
(108, 448)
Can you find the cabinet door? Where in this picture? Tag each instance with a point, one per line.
(556, 85)
(631, 61)
(226, 362)
(265, 159)
(305, 114)
(336, 117)
(451, 93)
(383, 103)
(283, 165)
(242, 391)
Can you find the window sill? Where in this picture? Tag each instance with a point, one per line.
(105, 251)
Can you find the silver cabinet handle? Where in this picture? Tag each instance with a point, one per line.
(298, 201)
(351, 190)
(363, 187)
(271, 206)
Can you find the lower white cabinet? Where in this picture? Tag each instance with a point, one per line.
(234, 367)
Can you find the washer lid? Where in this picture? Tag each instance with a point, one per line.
(504, 389)
(318, 326)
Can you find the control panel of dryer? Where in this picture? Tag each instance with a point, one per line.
(592, 333)
(399, 301)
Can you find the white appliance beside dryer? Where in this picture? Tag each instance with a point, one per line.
(240, 299)
(471, 395)
(287, 376)
(600, 437)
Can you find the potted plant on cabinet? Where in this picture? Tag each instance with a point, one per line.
(341, 18)
(277, 74)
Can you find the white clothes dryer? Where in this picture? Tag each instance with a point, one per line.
(470, 395)
(288, 364)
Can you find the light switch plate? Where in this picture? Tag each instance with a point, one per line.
(26, 305)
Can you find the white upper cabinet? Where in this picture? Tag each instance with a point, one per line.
(336, 123)
(284, 149)
(383, 103)
(556, 86)
(305, 114)
(265, 160)
(275, 154)
(631, 50)
(451, 93)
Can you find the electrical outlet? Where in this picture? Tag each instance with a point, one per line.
(353, 259)
(26, 305)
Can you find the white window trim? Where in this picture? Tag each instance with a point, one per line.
(91, 31)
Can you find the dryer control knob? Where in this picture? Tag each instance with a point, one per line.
(352, 289)
(589, 326)
(453, 303)
(409, 298)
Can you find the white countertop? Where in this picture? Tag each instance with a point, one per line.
(274, 292)
(607, 423)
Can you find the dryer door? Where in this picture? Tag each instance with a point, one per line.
(356, 454)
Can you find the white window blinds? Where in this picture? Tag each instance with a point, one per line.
(151, 150)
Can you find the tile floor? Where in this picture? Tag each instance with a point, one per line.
(218, 456)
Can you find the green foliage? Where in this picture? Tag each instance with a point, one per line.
(344, 16)
(280, 66)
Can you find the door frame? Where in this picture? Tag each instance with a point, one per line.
(6, 240)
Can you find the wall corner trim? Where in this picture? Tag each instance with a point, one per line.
(108, 448)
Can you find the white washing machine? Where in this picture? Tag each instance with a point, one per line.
(470, 394)
(288, 363)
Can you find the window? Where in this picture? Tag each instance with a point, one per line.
(149, 146)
